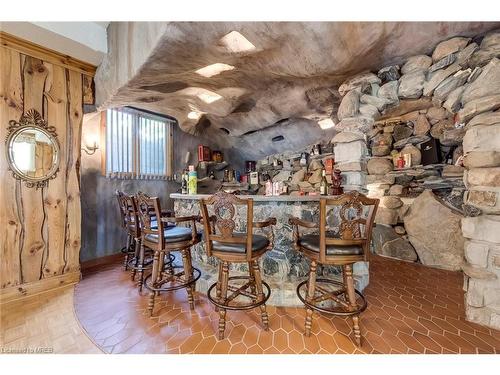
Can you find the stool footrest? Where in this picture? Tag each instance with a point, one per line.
(178, 283)
(343, 308)
(238, 291)
(148, 262)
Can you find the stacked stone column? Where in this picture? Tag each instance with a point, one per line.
(482, 248)
(351, 151)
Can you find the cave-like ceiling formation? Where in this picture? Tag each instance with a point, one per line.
(236, 79)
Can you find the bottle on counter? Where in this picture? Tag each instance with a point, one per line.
(323, 187)
(303, 159)
(192, 181)
(184, 182)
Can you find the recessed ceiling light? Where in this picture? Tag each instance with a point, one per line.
(206, 95)
(193, 115)
(235, 42)
(209, 97)
(327, 123)
(214, 69)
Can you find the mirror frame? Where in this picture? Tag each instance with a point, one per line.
(32, 119)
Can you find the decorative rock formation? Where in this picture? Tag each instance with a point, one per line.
(482, 138)
(487, 84)
(349, 106)
(416, 63)
(448, 47)
(402, 132)
(442, 246)
(389, 91)
(422, 125)
(389, 73)
(379, 166)
(361, 82)
(416, 155)
(399, 248)
(387, 216)
(411, 85)
(380, 235)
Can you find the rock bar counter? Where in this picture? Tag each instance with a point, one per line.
(283, 267)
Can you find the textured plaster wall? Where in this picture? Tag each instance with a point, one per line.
(101, 231)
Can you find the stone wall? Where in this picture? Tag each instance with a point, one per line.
(462, 77)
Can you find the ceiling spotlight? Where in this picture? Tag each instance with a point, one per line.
(193, 115)
(209, 97)
(214, 69)
(206, 95)
(235, 42)
(326, 123)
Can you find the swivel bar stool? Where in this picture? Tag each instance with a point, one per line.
(235, 247)
(349, 244)
(129, 249)
(162, 240)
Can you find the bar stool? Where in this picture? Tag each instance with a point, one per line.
(236, 247)
(129, 249)
(162, 239)
(343, 247)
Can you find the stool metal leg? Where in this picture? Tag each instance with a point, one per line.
(223, 297)
(311, 288)
(352, 300)
(260, 294)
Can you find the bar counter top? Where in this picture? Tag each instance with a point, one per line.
(260, 198)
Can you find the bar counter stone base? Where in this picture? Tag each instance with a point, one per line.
(283, 267)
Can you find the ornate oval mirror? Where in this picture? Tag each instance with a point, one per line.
(32, 150)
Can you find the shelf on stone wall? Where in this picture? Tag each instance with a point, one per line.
(213, 165)
(321, 156)
(420, 166)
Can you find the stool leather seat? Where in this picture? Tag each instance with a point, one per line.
(258, 243)
(173, 234)
(311, 242)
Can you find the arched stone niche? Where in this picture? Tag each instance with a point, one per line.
(456, 92)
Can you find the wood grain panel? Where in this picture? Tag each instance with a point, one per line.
(33, 210)
(75, 118)
(11, 228)
(55, 200)
(40, 229)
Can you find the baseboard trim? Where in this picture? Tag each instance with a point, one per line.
(22, 291)
(108, 259)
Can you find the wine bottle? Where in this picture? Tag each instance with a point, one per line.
(184, 184)
(323, 187)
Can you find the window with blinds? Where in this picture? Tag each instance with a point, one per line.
(138, 144)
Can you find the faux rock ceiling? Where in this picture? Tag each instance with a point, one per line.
(247, 82)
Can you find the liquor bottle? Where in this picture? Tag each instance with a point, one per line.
(303, 159)
(323, 187)
(184, 183)
(192, 181)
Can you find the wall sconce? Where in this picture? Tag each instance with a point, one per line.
(90, 150)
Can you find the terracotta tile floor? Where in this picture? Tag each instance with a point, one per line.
(411, 309)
